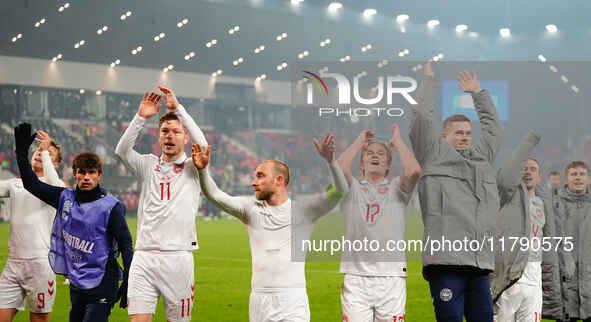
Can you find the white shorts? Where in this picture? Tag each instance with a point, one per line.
(170, 274)
(281, 305)
(373, 298)
(520, 302)
(32, 278)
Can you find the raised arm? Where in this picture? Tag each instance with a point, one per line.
(235, 206)
(511, 172)
(48, 194)
(148, 107)
(411, 170)
(346, 158)
(422, 127)
(490, 125)
(197, 136)
(320, 204)
(49, 171)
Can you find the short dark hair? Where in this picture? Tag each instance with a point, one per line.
(280, 168)
(455, 118)
(535, 160)
(553, 173)
(575, 164)
(87, 160)
(170, 116)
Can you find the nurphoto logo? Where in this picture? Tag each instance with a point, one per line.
(342, 94)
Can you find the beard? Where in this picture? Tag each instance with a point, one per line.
(263, 195)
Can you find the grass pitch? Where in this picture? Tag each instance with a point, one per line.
(223, 274)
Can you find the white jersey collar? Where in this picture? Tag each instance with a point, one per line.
(364, 182)
(180, 160)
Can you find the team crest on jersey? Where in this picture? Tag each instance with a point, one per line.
(66, 209)
(157, 169)
(539, 213)
(178, 168)
(382, 190)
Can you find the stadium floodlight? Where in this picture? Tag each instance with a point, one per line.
(402, 18)
(505, 32)
(461, 28)
(551, 29)
(432, 23)
(564, 79)
(369, 12)
(334, 6)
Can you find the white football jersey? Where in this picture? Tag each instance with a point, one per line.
(169, 198)
(31, 219)
(532, 274)
(375, 212)
(271, 230)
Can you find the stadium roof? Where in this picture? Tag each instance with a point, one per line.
(76, 31)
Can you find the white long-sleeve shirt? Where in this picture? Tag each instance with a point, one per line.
(169, 197)
(376, 212)
(31, 219)
(273, 230)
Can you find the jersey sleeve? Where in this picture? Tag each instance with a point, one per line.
(235, 206)
(195, 132)
(404, 197)
(47, 193)
(124, 150)
(49, 171)
(321, 204)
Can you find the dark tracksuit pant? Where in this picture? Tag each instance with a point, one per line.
(459, 291)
